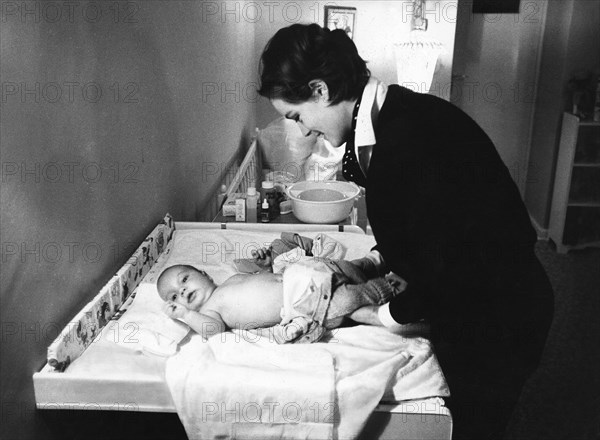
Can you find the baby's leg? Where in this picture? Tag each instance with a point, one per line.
(349, 297)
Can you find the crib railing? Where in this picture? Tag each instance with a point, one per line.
(249, 172)
(111, 301)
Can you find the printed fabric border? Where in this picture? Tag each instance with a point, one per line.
(111, 300)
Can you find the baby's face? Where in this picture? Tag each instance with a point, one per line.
(186, 286)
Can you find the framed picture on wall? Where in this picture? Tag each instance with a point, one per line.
(496, 6)
(339, 17)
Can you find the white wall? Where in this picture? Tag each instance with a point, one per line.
(496, 69)
(64, 235)
(571, 45)
(379, 24)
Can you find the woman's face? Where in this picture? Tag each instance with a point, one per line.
(317, 117)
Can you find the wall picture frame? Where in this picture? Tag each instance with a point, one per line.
(496, 6)
(340, 17)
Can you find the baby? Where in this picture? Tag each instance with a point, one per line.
(327, 291)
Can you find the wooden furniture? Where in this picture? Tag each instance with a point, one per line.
(249, 173)
(575, 214)
(290, 218)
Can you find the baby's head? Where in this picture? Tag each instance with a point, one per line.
(185, 285)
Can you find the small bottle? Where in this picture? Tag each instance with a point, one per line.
(266, 188)
(264, 212)
(270, 193)
(251, 205)
(240, 210)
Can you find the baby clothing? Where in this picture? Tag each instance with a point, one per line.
(319, 293)
(319, 288)
(292, 248)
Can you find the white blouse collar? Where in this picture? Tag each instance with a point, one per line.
(373, 98)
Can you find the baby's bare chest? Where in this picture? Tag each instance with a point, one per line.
(251, 302)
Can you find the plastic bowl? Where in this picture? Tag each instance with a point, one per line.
(322, 202)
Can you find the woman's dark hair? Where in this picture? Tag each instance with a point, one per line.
(300, 53)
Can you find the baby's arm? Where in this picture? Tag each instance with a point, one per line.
(261, 261)
(264, 258)
(203, 324)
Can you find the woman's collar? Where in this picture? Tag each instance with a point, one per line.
(373, 98)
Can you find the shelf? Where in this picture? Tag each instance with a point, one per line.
(590, 244)
(286, 219)
(587, 164)
(575, 210)
(585, 186)
(587, 143)
(585, 204)
(582, 225)
(588, 123)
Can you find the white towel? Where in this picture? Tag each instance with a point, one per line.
(145, 327)
(219, 386)
(237, 386)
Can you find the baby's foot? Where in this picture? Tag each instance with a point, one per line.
(277, 333)
(290, 332)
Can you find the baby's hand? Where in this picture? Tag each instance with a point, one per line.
(263, 257)
(175, 311)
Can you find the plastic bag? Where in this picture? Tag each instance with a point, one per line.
(324, 162)
(287, 151)
(284, 148)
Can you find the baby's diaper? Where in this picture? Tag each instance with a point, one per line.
(306, 286)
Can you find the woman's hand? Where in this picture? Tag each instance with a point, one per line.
(398, 283)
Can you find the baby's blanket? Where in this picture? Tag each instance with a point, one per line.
(237, 385)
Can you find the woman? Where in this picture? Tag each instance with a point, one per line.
(445, 214)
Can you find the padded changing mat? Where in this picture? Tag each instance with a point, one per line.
(111, 375)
